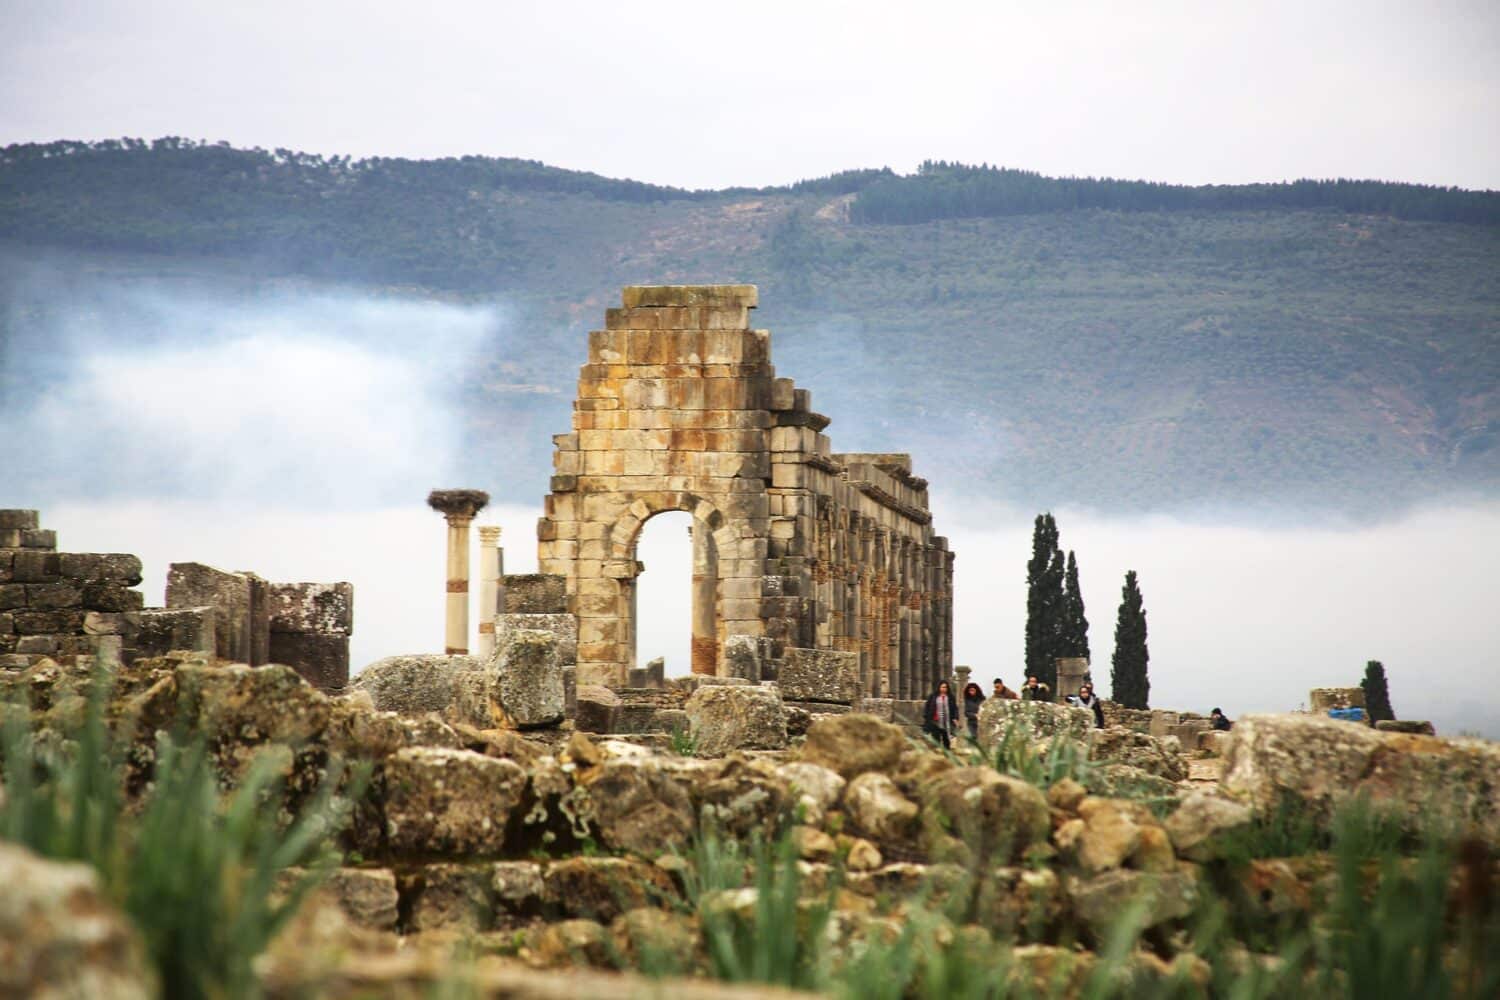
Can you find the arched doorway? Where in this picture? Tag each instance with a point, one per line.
(664, 592)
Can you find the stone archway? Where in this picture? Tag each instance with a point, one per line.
(707, 617)
(796, 547)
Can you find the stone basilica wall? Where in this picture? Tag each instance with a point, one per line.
(796, 546)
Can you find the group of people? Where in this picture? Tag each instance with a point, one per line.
(940, 715)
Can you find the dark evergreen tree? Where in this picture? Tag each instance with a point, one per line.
(1075, 624)
(1377, 694)
(1044, 601)
(1128, 682)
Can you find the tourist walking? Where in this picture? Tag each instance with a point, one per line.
(1219, 721)
(1001, 691)
(1035, 690)
(973, 698)
(940, 715)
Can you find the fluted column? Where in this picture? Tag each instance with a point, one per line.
(489, 586)
(458, 508)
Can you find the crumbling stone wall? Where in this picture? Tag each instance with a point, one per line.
(61, 605)
(795, 545)
(66, 605)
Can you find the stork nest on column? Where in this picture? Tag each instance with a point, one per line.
(458, 503)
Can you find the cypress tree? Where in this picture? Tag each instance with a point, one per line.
(1044, 601)
(1128, 682)
(1377, 695)
(1075, 630)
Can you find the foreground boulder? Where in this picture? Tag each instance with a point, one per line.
(1161, 896)
(1322, 762)
(59, 937)
(852, 744)
(638, 807)
(725, 717)
(977, 814)
(1034, 720)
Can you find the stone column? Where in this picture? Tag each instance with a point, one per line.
(489, 587)
(458, 508)
(1071, 671)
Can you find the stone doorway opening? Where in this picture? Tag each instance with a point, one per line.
(674, 595)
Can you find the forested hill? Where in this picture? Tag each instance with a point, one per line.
(1042, 340)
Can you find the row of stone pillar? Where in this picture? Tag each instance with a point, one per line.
(459, 508)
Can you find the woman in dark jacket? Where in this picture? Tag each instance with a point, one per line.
(940, 716)
(1087, 699)
(973, 698)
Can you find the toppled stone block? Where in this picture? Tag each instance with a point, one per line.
(366, 895)
(725, 717)
(975, 815)
(416, 684)
(823, 675)
(535, 594)
(598, 709)
(194, 585)
(527, 679)
(322, 658)
(160, 631)
(449, 801)
(452, 896)
(563, 626)
(603, 888)
(1035, 720)
(1322, 762)
(311, 607)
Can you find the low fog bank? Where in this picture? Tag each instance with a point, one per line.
(1247, 619)
(148, 388)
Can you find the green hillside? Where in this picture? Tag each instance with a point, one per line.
(1044, 341)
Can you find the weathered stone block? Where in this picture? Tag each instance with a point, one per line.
(53, 596)
(649, 296)
(820, 675)
(100, 595)
(1323, 761)
(742, 657)
(34, 566)
(323, 659)
(311, 607)
(110, 567)
(416, 684)
(1322, 699)
(449, 801)
(163, 630)
(19, 520)
(68, 622)
(191, 585)
(12, 595)
(39, 538)
(598, 709)
(1036, 720)
(564, 627)
(528, 679)
(535, 594)
(725, 717)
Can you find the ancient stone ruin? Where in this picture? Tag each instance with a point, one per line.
(70, 606)
(811, 567)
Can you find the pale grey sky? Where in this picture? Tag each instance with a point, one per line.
(712, 94)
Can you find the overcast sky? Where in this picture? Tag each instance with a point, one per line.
(712, 94)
